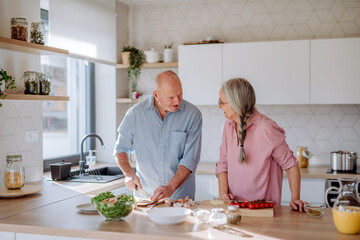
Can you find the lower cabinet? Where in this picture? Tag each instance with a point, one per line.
(7, 236)
(311, 191)
(25, 236)
(207, 187)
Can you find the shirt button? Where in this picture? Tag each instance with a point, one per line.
(161, 162)
(161, 145)
(162, 129)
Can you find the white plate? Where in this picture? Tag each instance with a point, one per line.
(168, 215)
(87, 208)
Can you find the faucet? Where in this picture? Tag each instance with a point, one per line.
(82, 162)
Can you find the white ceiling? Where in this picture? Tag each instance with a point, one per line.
(149, 2)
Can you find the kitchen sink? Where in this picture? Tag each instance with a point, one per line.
(97, 175)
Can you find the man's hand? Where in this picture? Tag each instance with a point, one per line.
(226, 196)
(131, 181)
(162, 192)
(298, 205)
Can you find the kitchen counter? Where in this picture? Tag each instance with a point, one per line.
(318, 172)
(61, 218)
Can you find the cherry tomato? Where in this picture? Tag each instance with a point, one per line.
(233, 203)
(262, 205)
(251, 206)
(243, 205)
(257, 205)
(271, 204)
(266, 205)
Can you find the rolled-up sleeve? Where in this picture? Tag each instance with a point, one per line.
(222, 164)
(124, 142)
(192, 147)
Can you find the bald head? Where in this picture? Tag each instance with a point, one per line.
(167, 79)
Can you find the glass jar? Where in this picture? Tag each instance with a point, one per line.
(31, 82)
(233, 215)
(45, 83)
(303, 156)
(346, 209)
(19, 28)
(14, 172)
(217, 218)
(37, 33)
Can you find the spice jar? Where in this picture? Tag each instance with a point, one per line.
(19, 28)
(217, 218)
(14, 172)
(31, 82)
(37, 33)
(45, 83)
(233, 215)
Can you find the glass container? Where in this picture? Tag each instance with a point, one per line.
(233, 215)
(37, 33)
(45, 83)
(19, 28)
(303, 156)
(31, 82)
(14, 172)
(346, 209)
(217, 218)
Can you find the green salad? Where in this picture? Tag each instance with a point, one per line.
(116, 210)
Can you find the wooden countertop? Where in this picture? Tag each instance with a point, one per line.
(319, 172)
(62, 219)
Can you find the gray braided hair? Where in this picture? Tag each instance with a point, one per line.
(242, 100)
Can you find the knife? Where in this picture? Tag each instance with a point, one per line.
(142, 192)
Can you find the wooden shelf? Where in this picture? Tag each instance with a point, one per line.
(36, 97)
(151, 65)
(129, 100)
(28, 47)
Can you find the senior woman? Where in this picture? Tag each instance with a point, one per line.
(253, 152)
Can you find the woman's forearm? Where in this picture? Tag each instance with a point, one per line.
(223, 183)
(294, 182)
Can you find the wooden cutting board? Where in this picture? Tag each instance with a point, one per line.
(25, 190)
(264, 212)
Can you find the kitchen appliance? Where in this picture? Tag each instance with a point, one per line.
(343, 161)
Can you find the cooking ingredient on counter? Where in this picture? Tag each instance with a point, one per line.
(217, 218)
(19, 28)
(37, 33)
(261, 203)
(314, 210)
(233, 215)
(217, 202)
(113, 208)
(14, 172)
(186, 203)
(202, 215)
(347, 219)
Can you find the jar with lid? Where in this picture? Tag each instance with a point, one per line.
(14, 172)
(303, 156)
(45, 83)
(217, 218)
(233, 215)
(19, 28)
(31, 82)
(37, 33)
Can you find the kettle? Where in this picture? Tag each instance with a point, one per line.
(152, 56)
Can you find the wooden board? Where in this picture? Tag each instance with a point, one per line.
(264, 212)
(25, 190)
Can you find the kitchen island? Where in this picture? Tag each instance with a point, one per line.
(53, 212)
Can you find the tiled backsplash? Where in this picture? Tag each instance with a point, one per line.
(17, 117)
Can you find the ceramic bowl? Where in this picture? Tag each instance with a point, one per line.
(168, 215)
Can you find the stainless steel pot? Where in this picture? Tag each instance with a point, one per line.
(343, 161)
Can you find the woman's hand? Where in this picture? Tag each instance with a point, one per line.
(298, 205)
(226, 196)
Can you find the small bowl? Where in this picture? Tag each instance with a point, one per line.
(314, 210)
(168, 215)
(115, 212)
(201, 215)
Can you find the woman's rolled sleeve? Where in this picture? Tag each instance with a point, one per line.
(222, 164)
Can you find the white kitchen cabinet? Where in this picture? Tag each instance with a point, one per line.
(200, 71)
(278, 70)
(207, 187)
(311, 191)
(7, 236)
(335, 71)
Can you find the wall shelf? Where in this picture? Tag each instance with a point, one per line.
(152, 65)
(35, 97)
(28, 47)
(129, 100)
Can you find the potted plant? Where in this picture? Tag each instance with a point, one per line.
(6, 82)
(136, 59)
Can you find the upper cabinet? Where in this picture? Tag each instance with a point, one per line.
(335, 71)
(200, 71)
(278, 70)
